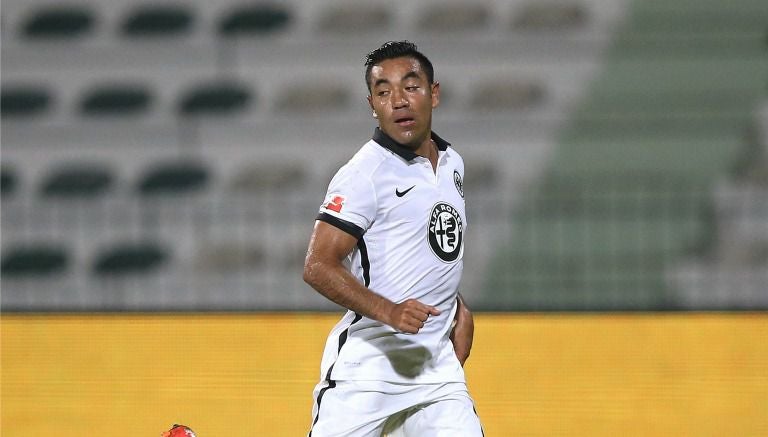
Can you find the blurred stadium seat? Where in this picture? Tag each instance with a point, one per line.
(254, 20)
(59, 22)
(455, 17)
(173, 178)
(215, 97)
(270, 175)
(9, 180)
(550, 16)
(312, 97)
(78, 180)
(25, 100)
(354, 17)
(116, 99)
(506, 94)
(230, 257)
(130, 259)
(155, 21)
(42, 259)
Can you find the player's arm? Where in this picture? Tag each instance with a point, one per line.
(325, 272)
(463, 332)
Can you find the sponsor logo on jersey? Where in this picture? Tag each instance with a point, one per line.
(445, 232)
(458, 182)
(399, 193)
(335, 203)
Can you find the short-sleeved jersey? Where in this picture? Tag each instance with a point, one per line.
(410, 222)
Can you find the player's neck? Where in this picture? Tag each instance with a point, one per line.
(428, 149)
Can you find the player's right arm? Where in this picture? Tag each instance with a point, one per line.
(325, 271)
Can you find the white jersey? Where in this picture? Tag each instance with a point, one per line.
(410, 222)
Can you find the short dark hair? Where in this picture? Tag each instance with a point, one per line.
(397, 49)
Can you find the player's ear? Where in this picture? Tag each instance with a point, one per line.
(373, 111)
(435, 94)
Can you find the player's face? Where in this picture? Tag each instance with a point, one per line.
(402, 99)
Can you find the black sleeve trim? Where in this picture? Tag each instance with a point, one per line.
(348, 227)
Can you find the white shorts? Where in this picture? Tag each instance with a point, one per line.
(379, 409)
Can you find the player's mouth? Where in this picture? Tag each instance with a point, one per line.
(405, 121)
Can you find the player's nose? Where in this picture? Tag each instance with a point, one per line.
(399, 101)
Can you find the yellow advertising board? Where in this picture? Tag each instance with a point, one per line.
(231, 375)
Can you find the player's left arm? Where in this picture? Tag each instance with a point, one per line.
(463, 332)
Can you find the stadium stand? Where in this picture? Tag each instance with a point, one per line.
(663, 121)
(739, 257)
(595, 134)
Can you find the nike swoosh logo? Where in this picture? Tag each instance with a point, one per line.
(399, 193)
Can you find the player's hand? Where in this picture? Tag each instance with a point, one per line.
(463, 332)
(410, 316)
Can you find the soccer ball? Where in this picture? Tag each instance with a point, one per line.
(178, 431)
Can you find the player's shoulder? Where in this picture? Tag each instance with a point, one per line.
(455, 156)
(363, 164)
(367, 159)
(454, 153)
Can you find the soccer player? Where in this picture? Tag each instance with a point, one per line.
(388, 245)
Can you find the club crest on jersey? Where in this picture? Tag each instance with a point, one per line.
(335, 202)
(458, 182)
(445, 232)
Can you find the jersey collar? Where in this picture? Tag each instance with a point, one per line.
(387, 142)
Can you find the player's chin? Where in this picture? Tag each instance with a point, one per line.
(405, 137)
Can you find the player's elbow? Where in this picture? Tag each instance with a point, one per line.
(308, 274)
(312, 273)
